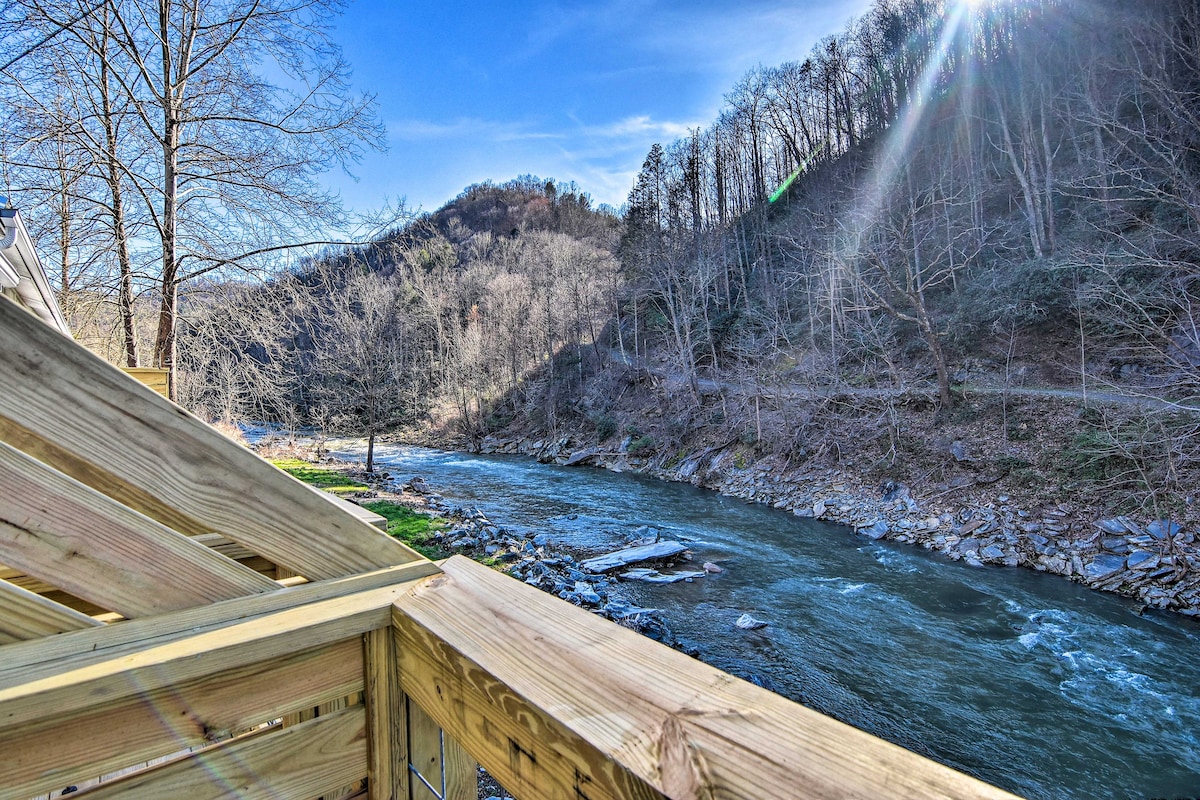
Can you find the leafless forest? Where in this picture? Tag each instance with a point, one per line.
(946, 200)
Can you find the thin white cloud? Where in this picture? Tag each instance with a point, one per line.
(640, 126)
(463, 127)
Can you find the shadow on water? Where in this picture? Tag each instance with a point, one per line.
(1030, 682)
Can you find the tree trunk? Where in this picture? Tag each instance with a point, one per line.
(113, 178)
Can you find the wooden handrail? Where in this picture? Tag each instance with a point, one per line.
(554, 701)
(558, 703)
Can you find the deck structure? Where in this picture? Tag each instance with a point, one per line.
(179, 618)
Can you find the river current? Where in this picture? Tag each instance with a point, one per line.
(1032, 683)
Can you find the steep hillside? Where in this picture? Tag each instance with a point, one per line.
(976, 280)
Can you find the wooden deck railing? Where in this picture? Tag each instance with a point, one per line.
(553, 701)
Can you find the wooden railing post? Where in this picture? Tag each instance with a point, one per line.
(387, 745)
(400, 734)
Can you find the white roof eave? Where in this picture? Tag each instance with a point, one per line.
(21, 270)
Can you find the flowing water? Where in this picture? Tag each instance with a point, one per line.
(1027, 681)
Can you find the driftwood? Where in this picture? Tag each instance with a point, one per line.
(632, 555)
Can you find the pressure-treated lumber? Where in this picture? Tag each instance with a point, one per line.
(62, 750)
(103, 481)
(152, 377)
(387, 753)
(80, 404)
(25, 615)
(79, 682)
(440, 760)
(58, 530)
(557, 703)
(26, 660)
(322, 755)
(425, 744)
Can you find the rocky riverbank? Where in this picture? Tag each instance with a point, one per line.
(1153, 561)
(530, 556)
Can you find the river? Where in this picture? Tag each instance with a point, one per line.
(1032, 683)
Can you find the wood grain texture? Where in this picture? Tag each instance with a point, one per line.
(103, 481)
(300, 763)
(462, 771)
(557, 703)
(152, 377)
(61, 751)
(387, 777)
(28, 660)
(442, 761)
(89, 680)
(82, 405)
(424, 753)
(25, 615)
(56, 529)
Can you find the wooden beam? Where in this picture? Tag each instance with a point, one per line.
(103, 481)
(24, 660)
(461, 770)
(85, 680)
(55, 528)
(298, 763)
(387, 754)
(25, 615)
(82, 405)
(557, 703)
(60, 751)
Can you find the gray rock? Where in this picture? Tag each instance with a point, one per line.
(632, 555)
(749, 623)
(1142, 559)
(541, 540)
(654, 576)
(1103, 566)
(877, 530)
(959, 451)
(1163, 529)
(586, 593)
(992, 551)
(1115, 544)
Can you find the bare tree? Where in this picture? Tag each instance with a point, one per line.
(365, 371)
(237, 155)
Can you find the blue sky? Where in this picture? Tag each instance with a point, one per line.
(571, 90)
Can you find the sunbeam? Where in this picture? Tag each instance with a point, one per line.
(900, 135)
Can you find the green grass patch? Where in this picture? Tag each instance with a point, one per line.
(331, 480)
(411, 527)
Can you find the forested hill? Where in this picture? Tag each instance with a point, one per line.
(883, 245)
(931, 216)
(968, 180)
(431, 322)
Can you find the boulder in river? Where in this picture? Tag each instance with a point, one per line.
(876, 530)
(749, 623)
(654, 576)
(632, 555)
